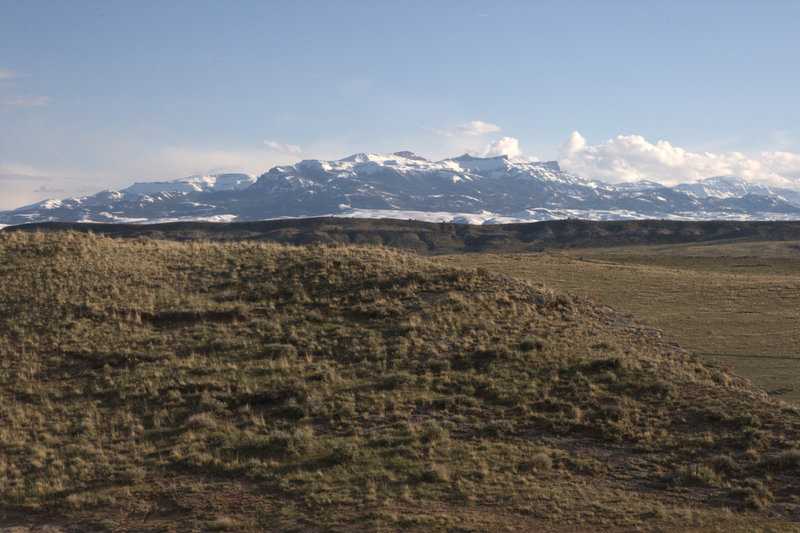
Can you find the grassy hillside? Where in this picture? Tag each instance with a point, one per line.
(735, 302)
(153, 385)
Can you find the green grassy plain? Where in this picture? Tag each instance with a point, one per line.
(736, 302)
(154, 386)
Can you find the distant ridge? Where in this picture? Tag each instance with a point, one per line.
(430, 237)
(468, 189)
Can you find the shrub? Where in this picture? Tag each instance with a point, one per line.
(538, 462)
(396, 380)
(564, 300)
(223, 523)
(291, 410)
(291, 442)
(209, 403)
(432, 431)
(278, 443)
(723, 464)
(345, 453)
(277, 351)
(529, 345)
(483, 358)
(600, 365)
(438, 366)
(753, 438)
(201, 421)
(501, 428)
(435, 473)
(788, 461)
(697, 475)
(755, 496)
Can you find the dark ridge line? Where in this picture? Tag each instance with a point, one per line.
(780, 357)
(444, 237)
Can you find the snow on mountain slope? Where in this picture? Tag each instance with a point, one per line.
(723, 187)
(211, 182)
(641, 185)
(402, 184)
(734, 187)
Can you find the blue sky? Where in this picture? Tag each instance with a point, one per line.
(97, 95)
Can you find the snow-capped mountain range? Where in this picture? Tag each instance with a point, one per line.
(404, 185)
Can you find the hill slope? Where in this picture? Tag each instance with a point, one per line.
(247, 386)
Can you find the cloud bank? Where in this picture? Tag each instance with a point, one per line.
(6, 74)
(22, 184)
(631, 157)
(283, 148)
(16, 102)
(23, 101)
(115, 168)
(508, 146)
(623, 158)
(475, 128)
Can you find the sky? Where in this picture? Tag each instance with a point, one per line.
(98, 95)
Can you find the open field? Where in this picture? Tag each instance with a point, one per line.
(738, 302)
(153, 385)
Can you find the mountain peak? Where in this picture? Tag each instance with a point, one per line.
(405, 154)
(726, 180)
(371, 157)
(552, 165)
(198, 183)
(467, 157)
(403, 184)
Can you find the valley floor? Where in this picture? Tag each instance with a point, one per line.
(733, 302)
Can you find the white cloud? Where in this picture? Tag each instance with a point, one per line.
(50, 190)
(476, 128)
(786, 164)
(6, 74)
(23, 184)
(632, 157)
(468, 138)
(16, 171)
(23, 101)
(180, 161)
(505, 146)
(14, 196)
(119, 166)
(9, 103)
(283, 148)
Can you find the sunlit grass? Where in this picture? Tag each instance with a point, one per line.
(153, 384)
(735, 302)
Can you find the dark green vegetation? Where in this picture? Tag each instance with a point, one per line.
(154, 385)
(430, 237)
(735, 302)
